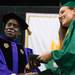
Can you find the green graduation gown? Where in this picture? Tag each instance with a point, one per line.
(65, 58)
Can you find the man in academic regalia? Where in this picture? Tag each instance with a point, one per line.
(13, 56)
(65, 58)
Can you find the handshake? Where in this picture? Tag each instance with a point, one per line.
(34, 62)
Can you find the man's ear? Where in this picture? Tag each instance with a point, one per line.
(19, 33)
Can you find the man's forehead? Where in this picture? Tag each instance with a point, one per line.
(13, 21)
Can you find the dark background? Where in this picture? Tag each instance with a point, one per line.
(30, 2)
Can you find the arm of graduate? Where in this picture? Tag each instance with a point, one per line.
(58, 56)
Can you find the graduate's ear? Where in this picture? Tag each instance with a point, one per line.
(74, 12)
(74, 9)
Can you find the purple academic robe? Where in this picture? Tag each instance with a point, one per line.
(13, 58)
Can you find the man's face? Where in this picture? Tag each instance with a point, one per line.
(12, 28)
(66, 15)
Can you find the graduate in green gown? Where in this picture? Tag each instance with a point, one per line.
(65, 58)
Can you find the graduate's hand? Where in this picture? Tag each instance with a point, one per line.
(44, 58)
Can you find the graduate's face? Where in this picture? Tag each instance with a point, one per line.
(12, 28)
(66, 15)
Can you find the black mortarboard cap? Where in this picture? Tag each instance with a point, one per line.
(21, 21)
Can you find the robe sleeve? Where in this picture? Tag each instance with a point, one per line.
(29, 51)
(3, 66)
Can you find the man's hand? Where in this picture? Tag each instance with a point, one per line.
(21, 74)
(32, 73)
(27, 68)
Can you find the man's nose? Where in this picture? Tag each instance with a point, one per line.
(12, 25)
